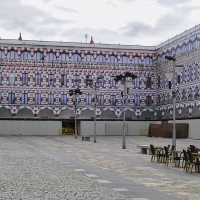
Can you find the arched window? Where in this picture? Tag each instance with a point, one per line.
(178, 51)
(88, 58)
(112, 59)
(50, 57)
(101, 58)
(163, 58)
(64, 57)
(159, 59)
(2, 55)
(124, 60)
(189, 46)
(76, 58)
(136, 60)
(190, 95)
(25, 55)
(195, 44)
(38, 56)
(12, 55)
(173, 52)
(148, 61)
(183, 49)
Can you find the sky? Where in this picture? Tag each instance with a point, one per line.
(129, 22)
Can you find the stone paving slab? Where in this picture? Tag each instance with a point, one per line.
(18, 159)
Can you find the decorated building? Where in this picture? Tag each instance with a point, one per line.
(36, 76)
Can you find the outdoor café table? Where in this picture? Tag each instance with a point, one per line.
(196, 156)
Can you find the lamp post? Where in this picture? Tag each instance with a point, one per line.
(124, 95)
(95, 101)
(169, 77)
(75, 92)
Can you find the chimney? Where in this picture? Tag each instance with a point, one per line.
(91, 41)
(20, 37)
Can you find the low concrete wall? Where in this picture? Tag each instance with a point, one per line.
(17, 127)
(114, 127)
(194, 127)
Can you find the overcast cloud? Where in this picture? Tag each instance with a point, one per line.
(144, 22)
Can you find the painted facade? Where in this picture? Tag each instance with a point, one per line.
(36, 76)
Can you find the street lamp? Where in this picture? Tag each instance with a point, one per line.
(124, 96)
(89, 81)
(75, 92)
(170, 75)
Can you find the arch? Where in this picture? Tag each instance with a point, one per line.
(184, 112)
(128, 114)
(24, 113)
(124, 60)
(87, 114)
(101, 58)
(5, 113)
(64, 57)
(136, 60)
(159, 115)
(2, 55)
(51, 57)
(88, 58)
(112, 59)
(66, 113)
(195, 111)
(167, 114)
(46, 114)
(107, 114)
(25, 55)
(178, 50)
(148, 60)
(147, 115)
(38, 56)
(12, 55)
(76, 58)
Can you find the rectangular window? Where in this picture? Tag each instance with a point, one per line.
(88, 99)
(148, 101)
(112, 100)
(100, 100)
(112, 81)
(89, 80)
(24, 79)
(148, 82)
(196, 71)
(50, 99)
(137, 100)
(51, 79)
(12, 78)
(137, 82)
(63, 79)
(63, 99)
(38, 98)
(24, 98)
(76, 80)
(0, 78)
(38, 79)
(11, 98)
(101, 82)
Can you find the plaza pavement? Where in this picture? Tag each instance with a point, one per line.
(62, 167)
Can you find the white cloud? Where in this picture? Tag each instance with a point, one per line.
(145, 22)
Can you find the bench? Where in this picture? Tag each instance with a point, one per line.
(145, 149)
(86, 138)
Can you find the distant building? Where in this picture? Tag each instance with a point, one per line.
(36, 76)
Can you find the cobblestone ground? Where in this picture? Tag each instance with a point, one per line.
(103, 155)
(25, 173)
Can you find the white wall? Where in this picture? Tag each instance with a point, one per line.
(194, 127)
(15, 127)
(134, 127)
